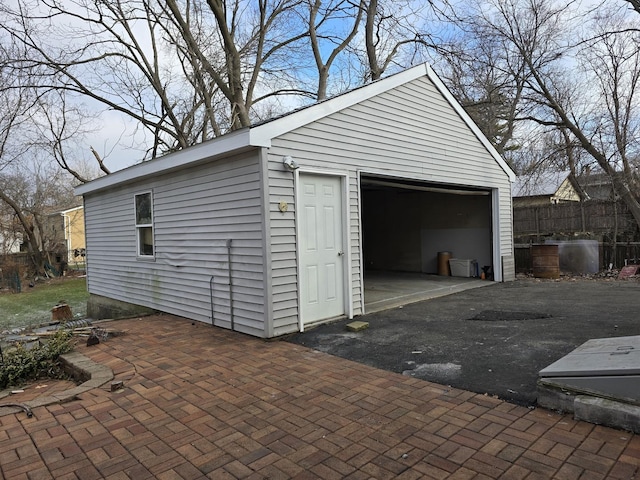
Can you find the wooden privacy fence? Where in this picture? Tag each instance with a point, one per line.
(13, 268)
(608, 222)
(611, 220)
(16, 267)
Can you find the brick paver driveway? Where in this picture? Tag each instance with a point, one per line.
(201, 402)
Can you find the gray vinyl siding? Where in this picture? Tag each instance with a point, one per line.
(283, 251)
(195, 211)
(410, 131)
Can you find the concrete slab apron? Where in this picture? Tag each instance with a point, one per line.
(385, 290)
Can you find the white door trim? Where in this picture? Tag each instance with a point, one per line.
(346, 237)
(360, 242)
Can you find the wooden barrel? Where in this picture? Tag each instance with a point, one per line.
(443, 263)
(545, 261)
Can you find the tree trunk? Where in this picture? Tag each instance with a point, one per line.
(622, 187)
(370, 41)
(33, 244)
(620, 182)
(615, 232)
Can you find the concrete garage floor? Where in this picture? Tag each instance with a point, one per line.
(491, 340)
(384, 290)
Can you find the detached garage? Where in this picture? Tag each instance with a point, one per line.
(272, 228)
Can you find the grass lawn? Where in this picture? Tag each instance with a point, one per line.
(33, 306)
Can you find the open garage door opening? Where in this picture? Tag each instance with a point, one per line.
(407, 224)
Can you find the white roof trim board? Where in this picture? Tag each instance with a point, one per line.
(64, 212)
(262, 134)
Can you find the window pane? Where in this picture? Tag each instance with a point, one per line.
(145, 240)
(143, 209)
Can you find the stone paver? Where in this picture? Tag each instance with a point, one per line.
(201, 402)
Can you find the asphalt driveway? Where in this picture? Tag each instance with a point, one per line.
(491, 340)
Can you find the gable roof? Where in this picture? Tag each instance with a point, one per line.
(262, 134)
(539, 184)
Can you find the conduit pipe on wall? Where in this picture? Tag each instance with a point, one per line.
(213, 321)
(230, 284)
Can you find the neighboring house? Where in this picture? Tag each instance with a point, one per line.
(64, 235)
(544, 188)
(268, 229)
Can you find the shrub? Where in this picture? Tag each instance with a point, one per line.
(22, 365)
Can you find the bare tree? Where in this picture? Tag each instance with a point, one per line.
(568, 81)
(186, 71)
(396, 31)
(15, 105)
(326, 16)
(30, 181)
(489, 83)
(16, 102)
(614, 60)
(33, 190)
(369, 36)
(58, 125)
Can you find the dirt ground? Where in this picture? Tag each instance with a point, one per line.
(493, 339)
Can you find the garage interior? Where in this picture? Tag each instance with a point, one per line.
(406, 224)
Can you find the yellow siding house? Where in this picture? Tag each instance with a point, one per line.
(66, 234)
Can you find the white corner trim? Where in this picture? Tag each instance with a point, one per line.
(497, 233)
(297, 196)
(470, 123)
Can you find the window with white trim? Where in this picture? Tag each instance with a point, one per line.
(144, 224)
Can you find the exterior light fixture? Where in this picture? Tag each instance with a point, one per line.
(290, 163)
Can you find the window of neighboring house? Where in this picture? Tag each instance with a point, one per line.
(144, 224)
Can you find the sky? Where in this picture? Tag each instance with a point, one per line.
(118, 139)
(115, 141)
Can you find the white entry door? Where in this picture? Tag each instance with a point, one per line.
(321, 247)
